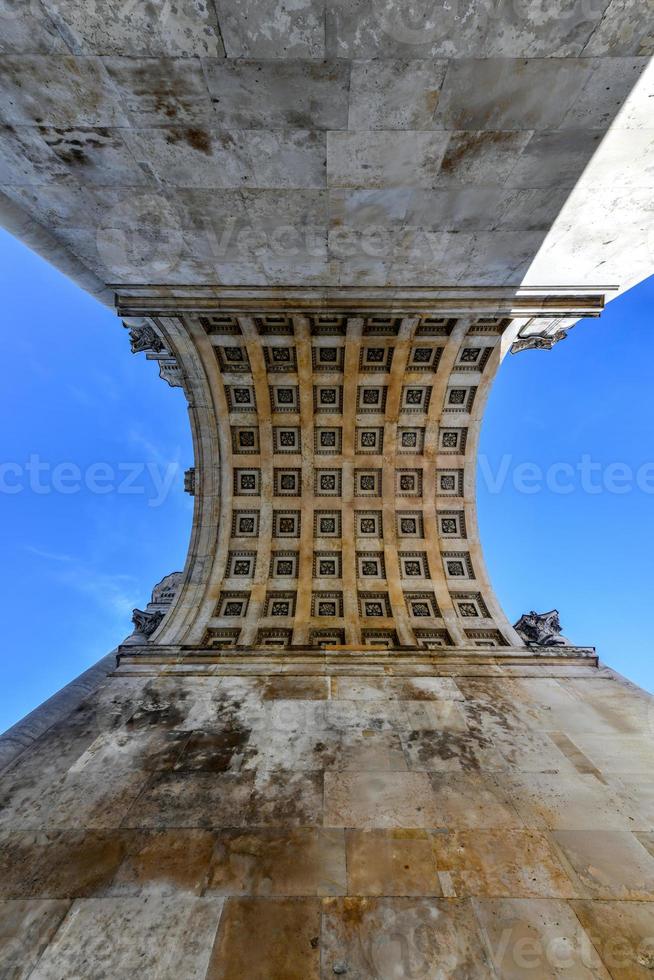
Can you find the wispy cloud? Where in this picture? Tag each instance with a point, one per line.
(151, 451)
(48, 555)
(116, 594)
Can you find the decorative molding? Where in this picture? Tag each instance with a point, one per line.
(189, 481)
(147, 621)
(541, 629)
(538, 341)
(144, 338)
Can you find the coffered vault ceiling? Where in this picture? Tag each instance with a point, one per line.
(335, 464)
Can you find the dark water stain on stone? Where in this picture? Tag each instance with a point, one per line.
(449, 745)
(469, 145)
(199, 140)
(214, 751)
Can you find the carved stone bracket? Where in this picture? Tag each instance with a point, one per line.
(541, 629)
(145, 339)
(147, 621)
(539, 334)
(189, 481)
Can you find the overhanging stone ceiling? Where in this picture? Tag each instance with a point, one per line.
(329, 144)
(335, 462)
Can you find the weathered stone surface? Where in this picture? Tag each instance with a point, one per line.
(379, 799)
(537, 937)
(163, 796)
(290, 862)
(287, 940)
(609, 864)
(119, 937)
(391, 862)
(622, 934)
(401, 937)
(501, 863)
(26, 928)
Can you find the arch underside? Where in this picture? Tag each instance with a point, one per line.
(335, 464)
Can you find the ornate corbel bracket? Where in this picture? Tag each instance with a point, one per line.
(541, 629)
(542, 334)
(147, 621)
(144, 339)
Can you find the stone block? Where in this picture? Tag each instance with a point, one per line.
(384, 159)
(26, 928)
(501, 863)
(391, 938)
(287, 932)
(609, 864)
(271, 862)
(257, 29)
(387, 94)
(537, 937)
(122, 937)
(391, 862)
(379, 800)
(279, 94)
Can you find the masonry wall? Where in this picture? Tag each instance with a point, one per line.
(308, 822)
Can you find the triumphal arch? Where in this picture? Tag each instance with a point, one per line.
(323, 750)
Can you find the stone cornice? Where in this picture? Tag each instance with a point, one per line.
(564, 301)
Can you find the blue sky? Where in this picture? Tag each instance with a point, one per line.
(589, 552)
(75, 563)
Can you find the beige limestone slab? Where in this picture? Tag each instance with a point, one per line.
(623, 935)
(120, 938)
(502, 863)
(270, 862)
(262, 938)
(391, 862)
(497, 702)
(126, 749)
(218, 751)
(401, 939)
(167, 862)
(26, 928)
(537, 937)
(285, 687)
(98, 801)
(609, 864)
(424, 689)
(368, 750)
(381, 799)
(619, 753)
(451, 751)
(437, 716)
(564, 801)
(60, 864)
(276, 749)
(383, 715)
(638, 791)
(473, 799)
(283, 798)
(530, 751)
(366, 688)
